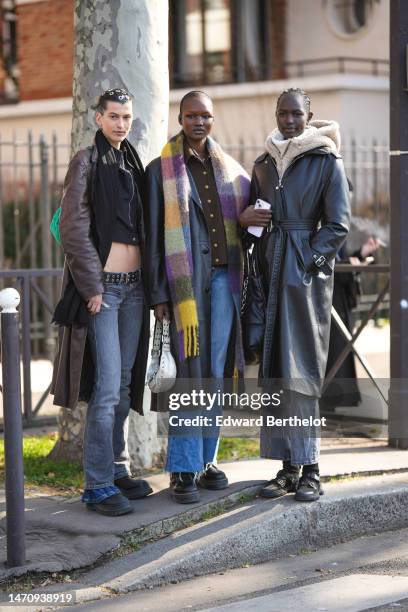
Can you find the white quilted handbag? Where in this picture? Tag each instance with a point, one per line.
(162, 370)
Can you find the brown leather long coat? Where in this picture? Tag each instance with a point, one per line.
(73, 375)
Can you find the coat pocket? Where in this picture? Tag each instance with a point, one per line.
(294, 265)
(307, 255)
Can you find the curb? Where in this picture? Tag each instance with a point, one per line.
(260, 534)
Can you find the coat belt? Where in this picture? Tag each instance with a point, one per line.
(295, 224)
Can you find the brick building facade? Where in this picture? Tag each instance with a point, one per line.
(37, 49)
(45, 43)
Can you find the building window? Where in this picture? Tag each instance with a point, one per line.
(218, 41)
(350, 16)
(9, 70)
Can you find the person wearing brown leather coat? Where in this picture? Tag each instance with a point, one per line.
(301, 175)
(103, 314)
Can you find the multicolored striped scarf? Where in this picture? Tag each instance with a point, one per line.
(233, 189)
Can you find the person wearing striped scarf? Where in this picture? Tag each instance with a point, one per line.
(194, 195)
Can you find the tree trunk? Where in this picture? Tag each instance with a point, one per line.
(120, 44)
(71, 425)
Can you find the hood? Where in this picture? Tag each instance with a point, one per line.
(318, 134)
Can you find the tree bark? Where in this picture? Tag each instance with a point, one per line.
(71, 424)
(120, 44)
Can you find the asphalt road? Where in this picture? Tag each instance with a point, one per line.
(368, 573)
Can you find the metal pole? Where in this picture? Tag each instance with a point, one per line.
(375, 180)
(33, 232)
(1, 213)
(239, 59)
(17, 211)
(25, 311)
(13, 428)
(398, 404)
(45, 215)
(354, 175)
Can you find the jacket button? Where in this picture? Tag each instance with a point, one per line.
(205, 250)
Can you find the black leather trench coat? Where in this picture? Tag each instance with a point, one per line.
(73, 375)
(193, 368)
(311, 216)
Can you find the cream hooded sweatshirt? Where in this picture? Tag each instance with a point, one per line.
(317, 134)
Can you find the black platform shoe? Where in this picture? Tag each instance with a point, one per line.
(183, 487)
(213, 478)
(115, 505)
(133, 488)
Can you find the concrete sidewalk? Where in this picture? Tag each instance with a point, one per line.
(62, 535)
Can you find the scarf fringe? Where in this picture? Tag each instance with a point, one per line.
(191, 348)
(188, 342)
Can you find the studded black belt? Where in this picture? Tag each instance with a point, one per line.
(122, 278)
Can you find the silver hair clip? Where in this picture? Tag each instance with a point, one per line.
(119, 94)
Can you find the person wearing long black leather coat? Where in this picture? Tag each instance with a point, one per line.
(301, 175)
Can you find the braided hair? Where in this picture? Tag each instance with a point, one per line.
(296, 91)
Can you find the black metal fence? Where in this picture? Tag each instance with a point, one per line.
(33, 284)
(31, 175)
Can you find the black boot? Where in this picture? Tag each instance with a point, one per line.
(183, 487)
(133, 488)
(285, 481)
(309, 488)
(213, 478)
(115, 505)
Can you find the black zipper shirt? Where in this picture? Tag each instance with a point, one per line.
(128, 203)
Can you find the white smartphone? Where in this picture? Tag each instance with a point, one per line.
(256, 230)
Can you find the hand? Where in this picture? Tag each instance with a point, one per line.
(370, 246)
(162, 311)
(94, 304)
(255, 216)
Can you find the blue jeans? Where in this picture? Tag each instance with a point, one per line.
(193, 452)
(114, 337)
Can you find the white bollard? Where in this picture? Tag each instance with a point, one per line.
(9, 300)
